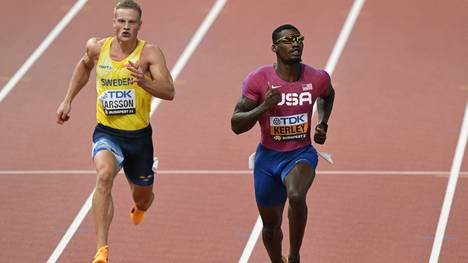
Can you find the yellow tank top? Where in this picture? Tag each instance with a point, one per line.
(120, 104)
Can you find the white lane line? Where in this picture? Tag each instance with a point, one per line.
(193, 44)
(42, 47)
(344, 35)
(242, 172)
(71, 230)
(181, 62)
(330, 67)
(450, 192)
(249, 247)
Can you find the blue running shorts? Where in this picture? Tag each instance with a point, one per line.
(133, 151)
(271, 168)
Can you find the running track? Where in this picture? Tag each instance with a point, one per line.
(402, 90)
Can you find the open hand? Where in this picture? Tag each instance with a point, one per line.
(136, 72)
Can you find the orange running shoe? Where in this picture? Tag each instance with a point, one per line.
(136, 215)
(102, 255)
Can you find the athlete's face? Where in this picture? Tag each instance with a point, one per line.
(289, 46)
(126, 24)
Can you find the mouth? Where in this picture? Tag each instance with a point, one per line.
(296, 52)
(125, 34)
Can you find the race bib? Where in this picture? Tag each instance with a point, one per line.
(118, 102)
(293, 127)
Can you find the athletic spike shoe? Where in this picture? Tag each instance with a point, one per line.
(284, 259)
(102, 255)
(136, 215)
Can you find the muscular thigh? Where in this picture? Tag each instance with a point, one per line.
(272, 167)
(300, 178)
(269, 189)
(106, 151)
(138, 163)
(300, 173)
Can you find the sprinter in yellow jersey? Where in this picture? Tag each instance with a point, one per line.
(129, 72)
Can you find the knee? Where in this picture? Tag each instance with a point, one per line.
(271, 231)
(296, 199)
(105, 179)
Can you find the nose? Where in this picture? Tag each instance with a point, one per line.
(296, 43)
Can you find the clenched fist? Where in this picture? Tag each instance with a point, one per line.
(320, 134)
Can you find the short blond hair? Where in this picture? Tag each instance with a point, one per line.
(129, 4)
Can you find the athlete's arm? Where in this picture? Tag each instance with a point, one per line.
(79, 79)
(324, 109)
(160, 84)
(325, 105)
(247, 111)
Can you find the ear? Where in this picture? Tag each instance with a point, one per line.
(274, 48)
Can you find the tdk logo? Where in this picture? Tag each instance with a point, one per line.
(290, 120)
(119, 94)
(294, 99)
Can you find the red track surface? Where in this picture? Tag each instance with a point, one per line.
(401, 92)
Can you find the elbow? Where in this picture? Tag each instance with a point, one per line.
(169, 95)
(235, 128)
(236, 131)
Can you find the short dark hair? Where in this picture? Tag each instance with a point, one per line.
(277, 31)
(129, 4)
